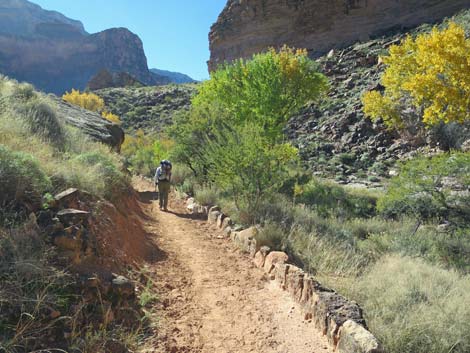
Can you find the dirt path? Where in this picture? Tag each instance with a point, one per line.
(213, 300)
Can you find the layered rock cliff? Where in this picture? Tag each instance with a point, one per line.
(249, 26)
(56, 54)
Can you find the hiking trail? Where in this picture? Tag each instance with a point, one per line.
(212, 299)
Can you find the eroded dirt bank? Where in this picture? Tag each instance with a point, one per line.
(212, 299)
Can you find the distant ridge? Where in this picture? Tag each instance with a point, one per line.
(175, 77)
(56, 54)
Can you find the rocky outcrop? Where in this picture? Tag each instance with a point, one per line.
(90, 123)
(56, 54)
(249, 26)
(336, 139)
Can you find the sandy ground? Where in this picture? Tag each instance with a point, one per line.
(211, 297)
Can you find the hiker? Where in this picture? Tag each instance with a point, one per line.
(162, 180)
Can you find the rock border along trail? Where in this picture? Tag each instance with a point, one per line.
(213, 299)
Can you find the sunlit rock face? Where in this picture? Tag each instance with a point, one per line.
(56, 54)
(249, 26)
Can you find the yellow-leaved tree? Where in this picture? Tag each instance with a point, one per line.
(111, 117)
(85, 100)
(91, 102)
(431, 74)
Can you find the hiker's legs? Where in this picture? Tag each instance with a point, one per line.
(163, 190)
(165, 201)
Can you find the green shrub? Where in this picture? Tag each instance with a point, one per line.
(180, 173)
(187, 187)
(328, 198)
(207, 196)
(427, 188)
(22, 182)
(412, 306)
(245, 165)
(109, 181)
(451, 249)
(272, 235)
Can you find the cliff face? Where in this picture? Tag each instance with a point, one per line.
(56, 54)
(246, 27)
(23, 18)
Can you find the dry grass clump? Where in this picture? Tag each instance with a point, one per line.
(67, 157)
(413, 306)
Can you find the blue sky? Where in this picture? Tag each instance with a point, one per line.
(174, 32)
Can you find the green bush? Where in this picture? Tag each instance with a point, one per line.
(272, 235)
(207, 196)
(328, 198)
(451, 249)
(233, 134)
(110, 182)
(22, 182)
(180, 173)
(245, 165)
(427, 188)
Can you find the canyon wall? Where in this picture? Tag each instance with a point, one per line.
(249, 26)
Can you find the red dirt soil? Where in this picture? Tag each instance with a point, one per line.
(212, 299)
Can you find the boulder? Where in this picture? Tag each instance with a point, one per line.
(310, 287)
(227, 222)
(330, 310)
(227, 231)
(90, 123)
(295, 282)
(354, 338)
(260, 256)
(190, 204)
(71, 216)
(279, 273)
(123, 286)
(214, 208)
(245, 238)
(273, 258)
(191, 207)
(67, 199)
(220, 220)
(213, 216)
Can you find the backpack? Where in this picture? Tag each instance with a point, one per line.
(167, 164)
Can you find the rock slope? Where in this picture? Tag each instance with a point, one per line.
(147, 108)
(90, 123)
(248, 26)
(335, 138)
(56, 54)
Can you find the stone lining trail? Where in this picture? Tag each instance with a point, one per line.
(212, 299)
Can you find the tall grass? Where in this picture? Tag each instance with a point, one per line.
(39, 303)
(413, 306)
(29, 125)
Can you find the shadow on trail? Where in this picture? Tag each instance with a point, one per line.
(185, 215)
(148, 196)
